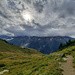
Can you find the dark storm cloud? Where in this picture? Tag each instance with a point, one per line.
(48, 17)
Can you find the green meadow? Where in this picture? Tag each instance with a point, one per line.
(27, 61)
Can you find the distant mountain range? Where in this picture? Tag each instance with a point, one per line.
(45, 45)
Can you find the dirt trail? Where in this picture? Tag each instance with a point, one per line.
(68, 66)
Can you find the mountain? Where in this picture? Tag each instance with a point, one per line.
(7, 47)
(17, 62)
(45, 45)
(5, 37)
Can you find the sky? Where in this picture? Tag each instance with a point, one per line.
(37, 17)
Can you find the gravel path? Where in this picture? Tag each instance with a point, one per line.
(68, 66)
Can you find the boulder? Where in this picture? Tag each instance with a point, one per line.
(62, 55)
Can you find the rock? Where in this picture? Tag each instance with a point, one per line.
(62, 55)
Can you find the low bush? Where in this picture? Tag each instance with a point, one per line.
(2, 65)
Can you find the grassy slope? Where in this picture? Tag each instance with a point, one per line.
(6, 47)
(19, 62)
(31, 65)
(34, 64)
(69, 50)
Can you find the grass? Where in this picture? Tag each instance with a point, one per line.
(28, 61)
(7, 47)
(70, 50)
(62, 60)
(33, 64)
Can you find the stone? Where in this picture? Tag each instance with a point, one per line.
(62, 55)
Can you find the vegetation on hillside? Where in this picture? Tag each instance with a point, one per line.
(68, 49)
(7, 47)
(69, 43)
(30, 65)
(21, 62)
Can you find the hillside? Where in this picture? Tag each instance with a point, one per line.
(7, 47)
(68, 50)
(45, 45)
(17, 61)
(37, 64)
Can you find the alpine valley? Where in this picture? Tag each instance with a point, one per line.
(46, 45)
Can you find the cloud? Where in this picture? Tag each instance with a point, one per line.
(48, 17)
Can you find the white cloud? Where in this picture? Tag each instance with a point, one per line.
(49, 17)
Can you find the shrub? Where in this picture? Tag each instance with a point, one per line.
(1, 54)
(2, 65)
(20, 74)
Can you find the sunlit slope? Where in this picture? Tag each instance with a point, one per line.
(34, 64)
(6, 47)
(68, 48)
(18, 61)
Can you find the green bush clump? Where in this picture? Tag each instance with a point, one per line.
(62, 60)
(1, 54)
(2, 65)
(74, 59)
(20, 74)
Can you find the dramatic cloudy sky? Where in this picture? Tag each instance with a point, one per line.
(37, 17)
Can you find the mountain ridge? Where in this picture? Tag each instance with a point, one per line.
(46, 45)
